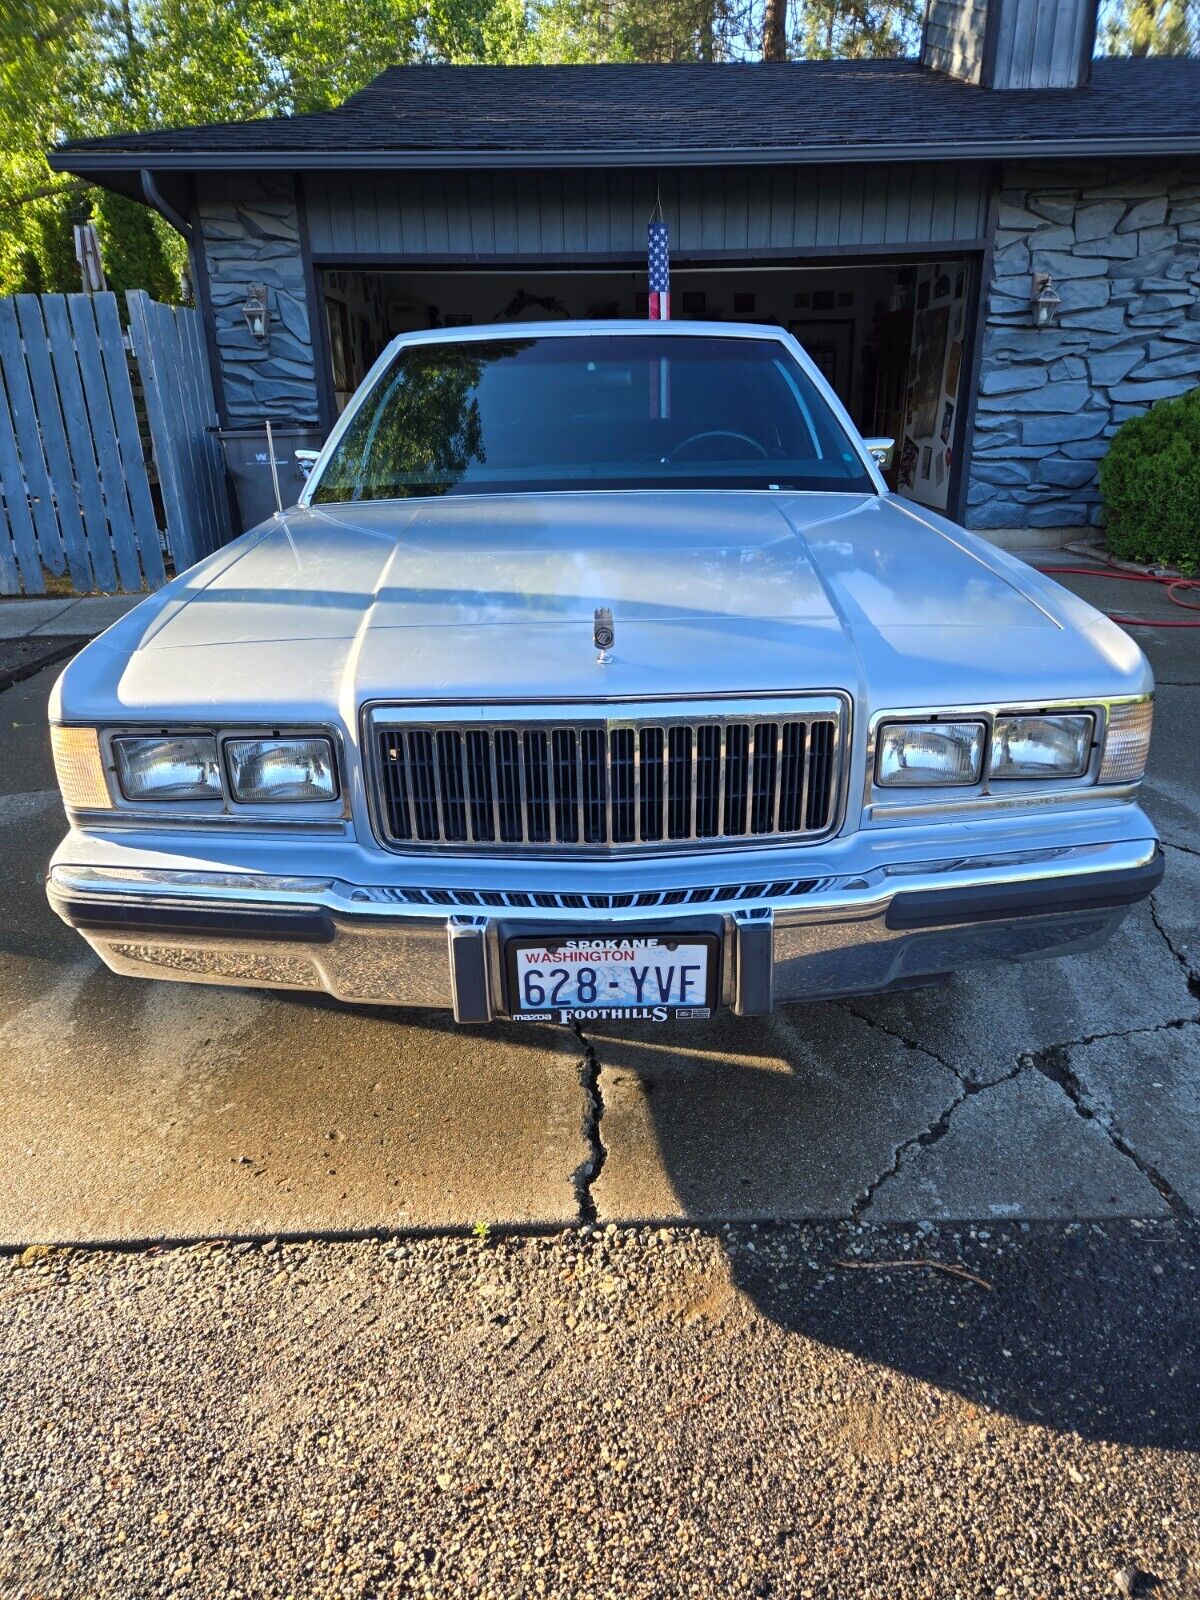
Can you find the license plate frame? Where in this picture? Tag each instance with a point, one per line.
(702, 1008)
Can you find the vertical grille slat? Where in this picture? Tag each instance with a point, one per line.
(479, 780)
(622, 786)
(791, 788)
(421, 784)
(506, 755)
(452, 803)
(710, 778)
(537, 776)
(763, 787)
(593, 774)
(821, 739)
(654, 782)
(736, 768)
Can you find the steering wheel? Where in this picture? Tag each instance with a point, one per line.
(715, 433)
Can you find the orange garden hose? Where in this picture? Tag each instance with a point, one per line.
(1175, 587)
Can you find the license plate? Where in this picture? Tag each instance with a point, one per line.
(640, 977)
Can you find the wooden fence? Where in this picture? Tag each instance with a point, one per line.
(169, 349)
(82, 499)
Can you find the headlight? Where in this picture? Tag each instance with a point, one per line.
(266, 770)
(1042, 747)
(80, 768)
(1127, 742)
(160, 768)
(918, 755)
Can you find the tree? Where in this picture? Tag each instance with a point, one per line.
(774, 34)
(1149, 27)
(635, 30)
(855, 29)
(79, 68)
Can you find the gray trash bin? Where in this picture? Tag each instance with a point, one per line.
(250, 465)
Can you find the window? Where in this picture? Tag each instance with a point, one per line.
(489, 416)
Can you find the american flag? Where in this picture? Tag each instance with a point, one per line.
(660, 271)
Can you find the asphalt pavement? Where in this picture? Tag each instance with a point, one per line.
(637, 1414)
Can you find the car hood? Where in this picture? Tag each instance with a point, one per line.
(479, 598)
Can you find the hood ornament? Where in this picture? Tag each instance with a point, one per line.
(603, 635)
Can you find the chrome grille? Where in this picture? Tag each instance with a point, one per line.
(554, 900)
(646, 777)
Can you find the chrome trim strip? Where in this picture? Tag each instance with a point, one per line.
(988, 804)
(637, 785)
(826, 899)
(775, 798)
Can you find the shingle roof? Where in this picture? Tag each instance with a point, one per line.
(640, 115)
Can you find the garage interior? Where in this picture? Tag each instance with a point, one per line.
(890, 336)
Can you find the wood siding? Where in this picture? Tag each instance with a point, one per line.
(1011, 44)
(1042, 44)
(954, 32)
(573, 216)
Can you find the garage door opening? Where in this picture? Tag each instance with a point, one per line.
(891, 337)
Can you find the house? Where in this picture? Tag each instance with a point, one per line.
(993, 251)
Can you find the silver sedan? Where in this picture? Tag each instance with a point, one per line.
(598, 674)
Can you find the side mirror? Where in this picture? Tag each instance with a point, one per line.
(307, 460)
(881, 449)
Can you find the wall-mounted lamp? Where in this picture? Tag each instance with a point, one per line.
(1044, 300)
(257, 313)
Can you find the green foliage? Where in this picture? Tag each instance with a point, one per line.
(1149, 27)
(636, 30)
(140, 250)
(424, 434)
(1150, 480)
(855, 30)
(81, 68)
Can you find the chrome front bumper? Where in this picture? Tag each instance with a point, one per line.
(888, 927)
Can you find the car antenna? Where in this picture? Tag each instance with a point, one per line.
(274, 469)
(278, 497)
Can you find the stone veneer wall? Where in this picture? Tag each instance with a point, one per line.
(1123, 246)
(251, 234)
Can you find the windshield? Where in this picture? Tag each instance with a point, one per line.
(629, 411)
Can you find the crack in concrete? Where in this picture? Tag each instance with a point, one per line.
(915, 1044)
(1123, 1033)
(905, 1039)
(589, 1169)
(1189, 972)
(1054, 1063)
(933, 1134)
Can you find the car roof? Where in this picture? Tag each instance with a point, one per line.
(608, 328)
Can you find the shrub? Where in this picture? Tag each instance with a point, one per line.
(1150, 481)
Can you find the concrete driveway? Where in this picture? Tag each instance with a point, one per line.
(137, 1111)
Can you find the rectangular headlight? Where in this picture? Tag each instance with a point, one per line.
(183, 767)
(265, 770)
(918, 755)
(1127, 742)
(1042, 747)
(79, 767)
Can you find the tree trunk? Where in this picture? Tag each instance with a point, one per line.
(774, 46)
